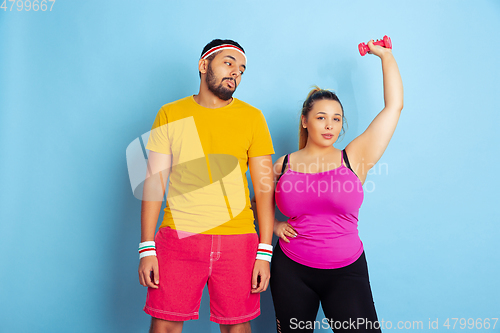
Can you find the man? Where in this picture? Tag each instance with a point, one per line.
(205, 143)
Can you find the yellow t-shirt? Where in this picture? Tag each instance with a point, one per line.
(208, 189)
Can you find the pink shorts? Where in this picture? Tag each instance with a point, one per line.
(223, 262)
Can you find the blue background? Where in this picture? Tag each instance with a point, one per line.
(79, 83)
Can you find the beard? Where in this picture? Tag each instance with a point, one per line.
(219, 90)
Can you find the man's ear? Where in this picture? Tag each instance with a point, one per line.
(203, 66)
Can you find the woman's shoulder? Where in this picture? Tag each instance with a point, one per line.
(280, 160)
(278, 165)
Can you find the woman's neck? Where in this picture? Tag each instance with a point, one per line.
(314, 150)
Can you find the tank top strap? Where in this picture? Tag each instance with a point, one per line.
(285, 163)
(346, 159)
(283, 167)
(342, 157)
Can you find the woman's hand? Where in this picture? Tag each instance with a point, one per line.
(284, 230)
(378, 50)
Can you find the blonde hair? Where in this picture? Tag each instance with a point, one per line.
(317, 94)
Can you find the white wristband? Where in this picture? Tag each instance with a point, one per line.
(147, 254)
(264, 252)
(147, 249)
(264, 246)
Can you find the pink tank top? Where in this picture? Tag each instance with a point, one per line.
(323, 208)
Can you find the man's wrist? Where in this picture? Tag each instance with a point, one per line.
(146, 249)
(264, 252)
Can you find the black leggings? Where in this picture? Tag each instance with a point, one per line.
(344, 293)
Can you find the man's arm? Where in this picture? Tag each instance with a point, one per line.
(261, 172)
(154, 189)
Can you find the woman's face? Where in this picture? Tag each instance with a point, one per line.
(324, 122)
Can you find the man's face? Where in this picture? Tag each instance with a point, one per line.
(224, 73)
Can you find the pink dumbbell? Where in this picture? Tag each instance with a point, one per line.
(386, 42)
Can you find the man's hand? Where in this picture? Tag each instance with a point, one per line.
(148, 272)
(260, 276)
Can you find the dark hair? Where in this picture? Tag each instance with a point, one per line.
(314, 95)
(217, 42)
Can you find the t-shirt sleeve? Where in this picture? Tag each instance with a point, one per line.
(158, 137)
(261, 139)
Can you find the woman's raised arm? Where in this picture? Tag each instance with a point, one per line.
(365, 151)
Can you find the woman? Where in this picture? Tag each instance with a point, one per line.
(320, 258)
